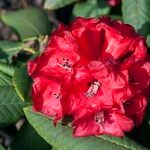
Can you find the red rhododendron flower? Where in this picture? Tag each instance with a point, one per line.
(135, 108)
(46, 96)
(97, 72)
(104, 122)
(57, 60)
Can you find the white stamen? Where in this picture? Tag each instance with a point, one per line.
(93, 89)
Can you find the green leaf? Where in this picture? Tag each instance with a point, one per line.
(91, 8)
(1, 147)
(5, 79)
(22, 82)
(55, 4)
(28, 139)
(60, 137)
(9, 49)
(29, 23)
(6, 72)
(148, 40)
(116, 17)
(136, 13)
(8, 69)
(10, 106)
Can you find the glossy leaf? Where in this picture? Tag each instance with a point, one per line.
(60, 137)
(28, 139)
(5, 79)
(22, 82)
(10, 106)
(9, 49)
(136, 13)
(91, 8)
(8, 69)
(29, 23)
(55, 4)
(6, 72)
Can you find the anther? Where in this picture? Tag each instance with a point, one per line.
(66, 64)
(100, 118)
(57, 95)
(93, 89)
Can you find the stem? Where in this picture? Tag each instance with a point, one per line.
(28, 49)
(43, 40)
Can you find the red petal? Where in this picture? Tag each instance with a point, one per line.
(139, 76)
(115, 123)
(135, 108)
(59, 48)
(44, 100)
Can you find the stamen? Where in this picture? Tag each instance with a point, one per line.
(57, 95)
(93, 89)
(100, 118)
(66, 64)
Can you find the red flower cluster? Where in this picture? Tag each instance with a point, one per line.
(97, 72)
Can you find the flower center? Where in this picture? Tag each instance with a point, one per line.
(100, 118)
(132, 80)
(93, 89)
(66, 64)
(57, 95)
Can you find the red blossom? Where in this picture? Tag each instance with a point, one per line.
(104, 122)
(46, 96)
(95, 70)
(135, 108)
(57, 60)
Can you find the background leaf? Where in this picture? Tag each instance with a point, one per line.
(28, 139)
(60, 137)
(22, 82)
(29, 23)
(148, 40)
(55, 4)
(1, 147)
(136, 13)
(9, 49)
(10, 106)
(91, 8)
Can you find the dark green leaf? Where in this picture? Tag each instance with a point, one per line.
(5, 79)
(60, 137)
(22, 82)
(9, 49)
(28, 139)
(116, 17)
(91, 8)
(136, 13)
(8, 69)
(6, 72)
(29, 23)
(10, 106)
(55, 4)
